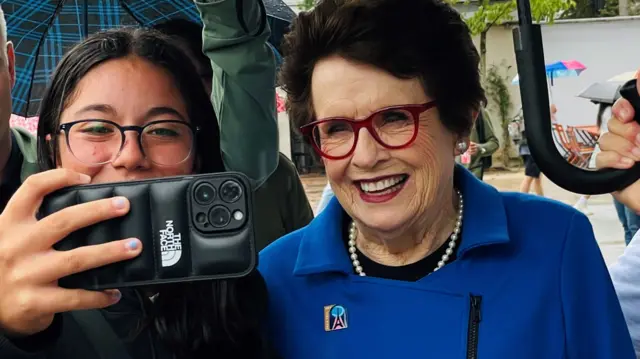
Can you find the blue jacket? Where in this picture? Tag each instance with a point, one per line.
(529, 283)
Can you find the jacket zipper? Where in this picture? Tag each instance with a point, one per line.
(475, 316)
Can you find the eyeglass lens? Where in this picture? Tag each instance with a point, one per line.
(97, 142)
(394, 128)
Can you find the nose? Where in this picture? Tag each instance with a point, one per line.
(367, 152)
(131, 156)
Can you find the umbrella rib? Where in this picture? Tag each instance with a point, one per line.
(128, 10)
(35, 61)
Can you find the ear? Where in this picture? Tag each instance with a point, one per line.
(55, 160)
(11, 62)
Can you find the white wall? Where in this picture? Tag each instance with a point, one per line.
(607, 48)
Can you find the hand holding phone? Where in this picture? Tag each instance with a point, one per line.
(30, 268)
(195, 227)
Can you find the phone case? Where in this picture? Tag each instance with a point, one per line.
(181, 222)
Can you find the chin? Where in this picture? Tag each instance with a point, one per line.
(384, 220)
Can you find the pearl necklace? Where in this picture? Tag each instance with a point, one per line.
(353, 234)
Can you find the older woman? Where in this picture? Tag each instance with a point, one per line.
(415, 257)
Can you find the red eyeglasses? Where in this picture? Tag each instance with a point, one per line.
(394, 127)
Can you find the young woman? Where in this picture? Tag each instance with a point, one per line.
(112, 80)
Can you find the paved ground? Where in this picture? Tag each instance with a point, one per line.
(604, 220)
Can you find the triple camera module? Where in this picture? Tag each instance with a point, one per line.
(218, 206)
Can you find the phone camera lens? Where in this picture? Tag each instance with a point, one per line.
(230, 191)
(201, 217)
(219, 216)
(205, 193)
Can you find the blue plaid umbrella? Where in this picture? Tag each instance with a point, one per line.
(43, 30)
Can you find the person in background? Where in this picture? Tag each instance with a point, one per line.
(582, 204)
(415, 257)
(532, 175)
(483, 144)
(18, 150)
(280, 203)
(618, 149)
(629, 219)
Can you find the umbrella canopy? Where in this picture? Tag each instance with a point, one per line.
(559, 69)
(607, 91)
(625, 76)
(43, 30)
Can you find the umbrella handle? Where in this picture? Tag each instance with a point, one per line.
(535, 107)
(629, 91)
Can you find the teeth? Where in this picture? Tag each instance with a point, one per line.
(380, 185)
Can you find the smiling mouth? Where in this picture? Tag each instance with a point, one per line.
(382, 186)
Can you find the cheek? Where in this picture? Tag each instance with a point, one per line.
(428, 151)
(432, 158)
(336, 170)
(68, 161)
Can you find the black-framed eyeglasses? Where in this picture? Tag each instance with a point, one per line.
(97, 142)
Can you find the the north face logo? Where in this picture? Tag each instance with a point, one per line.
(170, 245)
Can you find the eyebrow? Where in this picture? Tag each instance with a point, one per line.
(155, 111)
(98, 108)
(163, 110)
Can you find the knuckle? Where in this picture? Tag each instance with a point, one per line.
(24, 304)
(16, 276)
(73, 262)
(74, 300)
(33, 183)
(603, 141)
(59, 221)
(629, 131)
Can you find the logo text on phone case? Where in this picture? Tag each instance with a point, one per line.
(170, 245)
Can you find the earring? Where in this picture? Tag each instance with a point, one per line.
(462, 147)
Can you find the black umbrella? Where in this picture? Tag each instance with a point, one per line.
(602, 92)
(43, 30)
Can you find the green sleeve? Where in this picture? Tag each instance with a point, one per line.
(243, 91)
(491, 143)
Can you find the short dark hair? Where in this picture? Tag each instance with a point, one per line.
(149, 45)
(425, 39)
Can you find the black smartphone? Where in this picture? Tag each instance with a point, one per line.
(197, 227)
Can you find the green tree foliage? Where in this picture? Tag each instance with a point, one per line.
(500, 100)
(491, 13)
(306, 5)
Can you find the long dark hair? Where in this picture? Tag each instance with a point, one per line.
(194, 320)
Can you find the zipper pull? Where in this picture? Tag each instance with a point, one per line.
(476, 302)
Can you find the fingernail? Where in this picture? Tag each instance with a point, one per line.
(133, 244)
(636, 152)
(119, 202)
(84, 178)
(116, 295)
(638, 139)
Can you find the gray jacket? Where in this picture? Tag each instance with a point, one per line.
(626, 279)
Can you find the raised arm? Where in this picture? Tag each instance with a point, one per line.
(243, 91)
